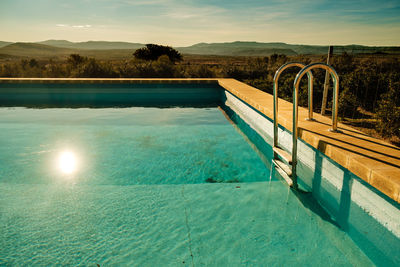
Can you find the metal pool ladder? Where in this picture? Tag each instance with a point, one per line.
(285, 162)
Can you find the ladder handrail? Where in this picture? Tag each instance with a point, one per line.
(305, 70)
(275, 93)
(293, 163)
(296, 85)
(335, 79)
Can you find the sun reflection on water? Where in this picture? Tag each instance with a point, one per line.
(67, 162)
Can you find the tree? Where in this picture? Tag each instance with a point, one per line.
(153, 52)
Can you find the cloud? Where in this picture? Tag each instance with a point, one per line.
(176, 15)
(81, 26)
(74, 26)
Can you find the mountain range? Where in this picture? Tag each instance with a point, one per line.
(118, 50)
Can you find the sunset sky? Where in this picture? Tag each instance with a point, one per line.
(182, 22)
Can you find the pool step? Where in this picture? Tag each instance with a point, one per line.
(284, 170)
(283, 154)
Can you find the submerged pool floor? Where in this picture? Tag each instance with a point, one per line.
(150, 187)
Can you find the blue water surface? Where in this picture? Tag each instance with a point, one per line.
(151, 187)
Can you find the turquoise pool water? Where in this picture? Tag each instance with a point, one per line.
(151, 187)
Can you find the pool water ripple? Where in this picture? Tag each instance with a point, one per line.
(140, 195)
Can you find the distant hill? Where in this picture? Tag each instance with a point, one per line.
(259, 49)
(92, 45)
(2, 44)
(124, 50)
(235, 49)
(29, 50)
(253, 48)
(34, 50)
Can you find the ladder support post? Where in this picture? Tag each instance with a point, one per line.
(335, 104)
(294, 134)
(275, 112)
(310, 96)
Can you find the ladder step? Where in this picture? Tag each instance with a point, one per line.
(284, 170)
(283, 166)
(283, 154)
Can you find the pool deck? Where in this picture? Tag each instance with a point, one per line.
(373, 160)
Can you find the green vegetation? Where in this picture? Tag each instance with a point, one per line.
(388, 111)
(369, 83)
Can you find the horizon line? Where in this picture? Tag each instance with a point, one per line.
(226, 42)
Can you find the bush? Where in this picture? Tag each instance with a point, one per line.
(76, 59)
(153, 52)
(163, 67)
(347, 104)
(388, 112)
(201, 71)
(83, 67)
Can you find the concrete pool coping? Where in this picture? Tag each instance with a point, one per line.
(373, 160)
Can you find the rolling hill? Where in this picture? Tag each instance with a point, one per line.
(260, 49)
(92, 45)
(2, 44)
(34, 50)
(29, 50)
(124, 50)
(235, 48)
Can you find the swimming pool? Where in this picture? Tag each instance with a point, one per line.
(151, 186)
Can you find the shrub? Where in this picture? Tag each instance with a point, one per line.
(153, 52)
(388, 112)
(347, 104)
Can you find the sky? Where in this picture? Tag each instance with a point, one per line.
(186, 22)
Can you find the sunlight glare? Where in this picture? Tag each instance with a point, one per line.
(67, 162)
